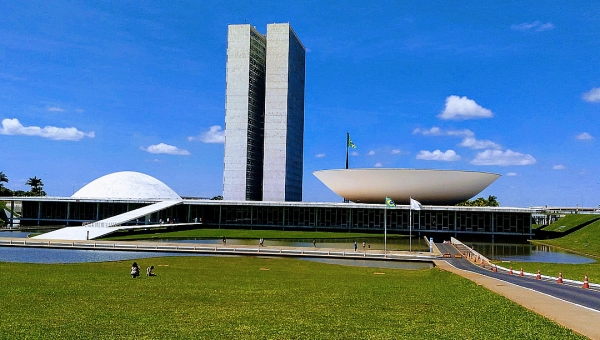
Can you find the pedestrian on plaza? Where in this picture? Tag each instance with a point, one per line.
(314, 242)
(364, 245)
(355, 246)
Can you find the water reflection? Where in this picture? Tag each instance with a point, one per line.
(527, 252)
(47, 255)
(14, 233)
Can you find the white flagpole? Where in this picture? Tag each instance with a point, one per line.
(410, 228)
(385, 230)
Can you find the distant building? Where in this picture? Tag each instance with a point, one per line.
(264, 114)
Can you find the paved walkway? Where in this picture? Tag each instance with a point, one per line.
(580, 319)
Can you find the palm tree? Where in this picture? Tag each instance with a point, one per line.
(3, 178)
(36, 186)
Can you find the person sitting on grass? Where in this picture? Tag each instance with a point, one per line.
(150, 271)
(135, 270)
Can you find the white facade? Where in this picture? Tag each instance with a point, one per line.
(244, 114)
(264, 114)
(284, 115)
(432, 187)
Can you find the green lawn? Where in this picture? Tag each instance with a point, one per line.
(255, 298)
(583, 241)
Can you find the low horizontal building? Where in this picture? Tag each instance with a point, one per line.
(123, 192)
(352, 217)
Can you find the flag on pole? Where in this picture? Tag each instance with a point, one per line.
(390, 202)
(414, 204)
(349, 143)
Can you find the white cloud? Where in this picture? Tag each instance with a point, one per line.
(475, 144)
(436, 131)
(511, 174)
(438, 155)
(56, 109)
(395, 151)
(463, 108)
(320, 155)
(166, 149)
(461, 133)
(14, 127)
(371, 153)
(592, 95)
(536, 26)
(378, 165)
(584, 136)
(214, 135)
(559, 167)
(503, 158)
(353, 153)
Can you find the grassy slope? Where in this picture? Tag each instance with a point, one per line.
(570, 221)
(246, 234)
(585, 241)
(217, 297)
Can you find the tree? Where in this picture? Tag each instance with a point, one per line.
(217, 198)
(491, 201)
(3, 178)
(36, 186)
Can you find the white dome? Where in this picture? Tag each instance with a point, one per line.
(126, 185)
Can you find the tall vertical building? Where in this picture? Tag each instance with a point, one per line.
(284, 115)
(244, 114)
(264, 114)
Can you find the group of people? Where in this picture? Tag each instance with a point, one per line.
(135, 270)
(364, 244)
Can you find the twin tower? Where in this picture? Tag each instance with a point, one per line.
(264, 114)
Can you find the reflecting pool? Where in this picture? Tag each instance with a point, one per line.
(527, 252)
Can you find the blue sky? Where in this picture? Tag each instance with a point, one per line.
(88, 88)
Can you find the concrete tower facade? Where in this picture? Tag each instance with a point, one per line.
(264, 114)
(284, 115)
(244, 114)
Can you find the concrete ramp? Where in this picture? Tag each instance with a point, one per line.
(133, 214)
(107, 226)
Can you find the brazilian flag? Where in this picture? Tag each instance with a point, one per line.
(389, 202)
(350, 144)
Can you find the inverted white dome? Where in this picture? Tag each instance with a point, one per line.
(433, 187)
(127, 185)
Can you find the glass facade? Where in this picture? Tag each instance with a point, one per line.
(352, 217)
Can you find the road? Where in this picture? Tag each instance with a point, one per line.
(584, 297)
